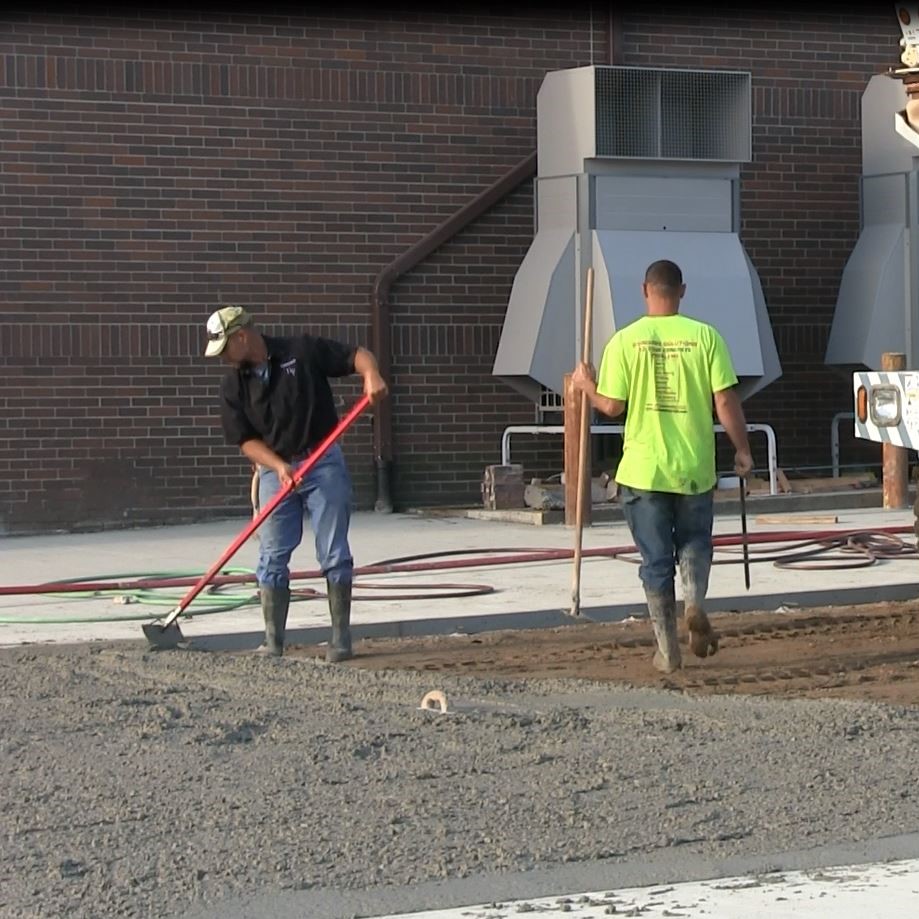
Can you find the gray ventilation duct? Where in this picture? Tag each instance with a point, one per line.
(877, 308)
(634, 165)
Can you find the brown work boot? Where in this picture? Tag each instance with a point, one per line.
(703, 639)
(662, 610)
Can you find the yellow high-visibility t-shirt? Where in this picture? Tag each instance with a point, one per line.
(666, 368)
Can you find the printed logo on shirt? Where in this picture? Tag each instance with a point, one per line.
(290, 367)
(665, 357)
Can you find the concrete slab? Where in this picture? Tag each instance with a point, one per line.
(727, 503)
(845, 892)
(848, 880)
(530, 594)
(537, 592)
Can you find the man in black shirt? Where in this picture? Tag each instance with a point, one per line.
(276, 405)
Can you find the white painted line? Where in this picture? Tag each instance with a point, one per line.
(889, 890)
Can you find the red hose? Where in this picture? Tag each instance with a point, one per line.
(523, 557)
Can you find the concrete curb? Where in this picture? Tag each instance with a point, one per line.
(612, 513)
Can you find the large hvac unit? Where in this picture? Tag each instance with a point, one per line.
(635, 165)
(877, 308)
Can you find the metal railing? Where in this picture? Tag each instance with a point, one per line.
(834, 439)
(618, 429)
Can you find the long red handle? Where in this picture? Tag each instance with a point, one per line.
(256, 522)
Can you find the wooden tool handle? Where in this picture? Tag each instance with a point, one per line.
(583, 452)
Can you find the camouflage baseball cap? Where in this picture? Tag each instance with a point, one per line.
(221, 325)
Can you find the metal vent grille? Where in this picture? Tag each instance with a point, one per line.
(551, 401)
(551, 407)
(673, 114)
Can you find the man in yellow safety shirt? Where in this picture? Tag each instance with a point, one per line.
(670, 371)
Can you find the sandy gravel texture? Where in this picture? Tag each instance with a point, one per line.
(140, 784)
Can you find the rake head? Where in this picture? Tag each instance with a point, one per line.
(163, 637)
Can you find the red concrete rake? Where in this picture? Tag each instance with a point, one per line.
(166, 635)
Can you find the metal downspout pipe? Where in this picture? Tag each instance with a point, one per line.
(614, 36)
(381, 331)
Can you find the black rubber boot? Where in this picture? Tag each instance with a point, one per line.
(662, 609)
(275, 604)
(340, 609)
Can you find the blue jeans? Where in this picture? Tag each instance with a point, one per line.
(670, 529)
(324, 496)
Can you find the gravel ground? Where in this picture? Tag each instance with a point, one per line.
(139, 784)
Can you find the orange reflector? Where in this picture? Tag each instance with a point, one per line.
(861, 404)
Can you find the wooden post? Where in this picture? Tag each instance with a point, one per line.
(895, 459)
(572, 421)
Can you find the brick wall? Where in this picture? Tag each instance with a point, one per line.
(152, 167)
